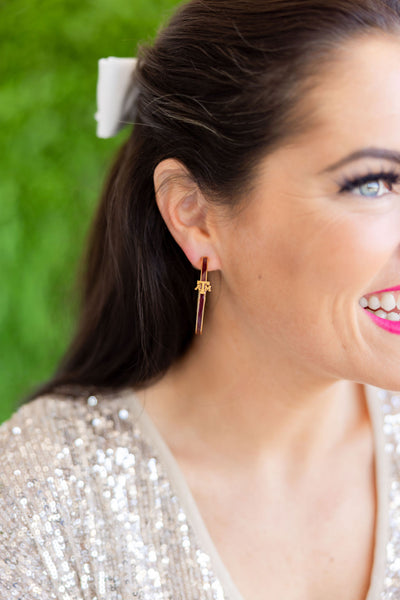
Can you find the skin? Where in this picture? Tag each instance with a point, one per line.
(270, 397)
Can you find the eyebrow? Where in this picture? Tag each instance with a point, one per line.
(371, 152)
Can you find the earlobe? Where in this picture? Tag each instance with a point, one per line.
(185, 212)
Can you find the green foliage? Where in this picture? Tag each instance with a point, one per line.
(52, 166)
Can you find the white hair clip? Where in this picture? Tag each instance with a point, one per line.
(113, 103)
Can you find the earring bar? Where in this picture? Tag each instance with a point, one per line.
(203, 286)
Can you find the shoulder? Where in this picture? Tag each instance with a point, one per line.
(58, 459)
(36, 417)
(32, 439)
(41, 429)
(58, 436)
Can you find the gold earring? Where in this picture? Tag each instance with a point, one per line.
(203, 286)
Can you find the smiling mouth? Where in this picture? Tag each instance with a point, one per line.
(384, 304)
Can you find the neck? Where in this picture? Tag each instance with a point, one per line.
(247, 404)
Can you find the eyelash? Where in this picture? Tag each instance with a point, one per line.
(349, 185)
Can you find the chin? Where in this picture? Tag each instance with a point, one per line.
(387, 379)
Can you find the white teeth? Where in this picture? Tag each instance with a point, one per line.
(383, 305)
(373, 302)
(388, 301)
(393, 316)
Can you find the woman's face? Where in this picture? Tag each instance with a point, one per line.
(308, 245)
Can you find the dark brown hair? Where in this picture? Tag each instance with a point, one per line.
(221, 87)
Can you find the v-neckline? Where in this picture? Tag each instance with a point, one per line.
(189, 505)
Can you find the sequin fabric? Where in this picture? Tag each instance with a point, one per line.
(87, 510)
(391, 418)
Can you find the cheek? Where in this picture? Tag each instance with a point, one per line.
(346, 253)
(302, 266)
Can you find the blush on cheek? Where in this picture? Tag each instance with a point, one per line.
(373, 244)
(355, 250)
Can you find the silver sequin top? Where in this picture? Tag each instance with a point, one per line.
(93, 506)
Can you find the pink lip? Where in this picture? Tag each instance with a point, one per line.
(392, 326)
(392, 289)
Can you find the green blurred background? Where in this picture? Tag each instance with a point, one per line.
(52, 166)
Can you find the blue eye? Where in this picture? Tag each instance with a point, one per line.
(370, 185)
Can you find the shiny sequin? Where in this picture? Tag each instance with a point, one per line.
(123, 414)
(92, 400)
(88, 512)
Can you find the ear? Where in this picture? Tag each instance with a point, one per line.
(186, 212)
